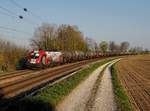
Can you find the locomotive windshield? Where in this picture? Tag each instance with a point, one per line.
(34, 55)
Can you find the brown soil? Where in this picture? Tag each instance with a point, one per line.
(134, 73)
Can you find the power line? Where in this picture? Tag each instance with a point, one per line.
(6, 14)
(15, 3)
(14, 39)
(9, 33)
(5, 9)
(10, 12)
(25, 10)
(15, 30)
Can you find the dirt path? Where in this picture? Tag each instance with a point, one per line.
(104, 100)
(78, 99)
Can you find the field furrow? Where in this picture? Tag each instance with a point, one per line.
(134, 73)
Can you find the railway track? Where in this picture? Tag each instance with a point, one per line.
(13, 75)
(10, 77)
(31, 81)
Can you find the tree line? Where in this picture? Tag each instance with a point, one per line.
(65, 38)
(10, 55)
(70, 38)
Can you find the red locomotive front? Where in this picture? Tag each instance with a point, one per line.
(42, 58)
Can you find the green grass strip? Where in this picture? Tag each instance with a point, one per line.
(121, 97)
(47, 99)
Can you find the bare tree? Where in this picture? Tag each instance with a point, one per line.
(10, 55)
(136, 50)
(103, 46)
(146, 51)
(124, 46)
(44, 37)
(112, 46)
(71, 39)
(92, 45)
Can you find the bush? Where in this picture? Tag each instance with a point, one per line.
(21, 63)
(11, 56)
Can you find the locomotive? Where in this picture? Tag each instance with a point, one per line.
(42, 58)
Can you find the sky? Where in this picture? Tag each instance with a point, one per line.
(102, 20)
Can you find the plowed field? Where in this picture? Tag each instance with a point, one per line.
(134, 73)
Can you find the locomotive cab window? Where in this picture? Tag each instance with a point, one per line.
(34, 55)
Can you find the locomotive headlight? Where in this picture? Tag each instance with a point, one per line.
(36, 54)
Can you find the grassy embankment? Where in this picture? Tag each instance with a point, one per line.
(47, 99)
(121, 97)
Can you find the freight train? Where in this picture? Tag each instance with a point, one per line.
(45, 58)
